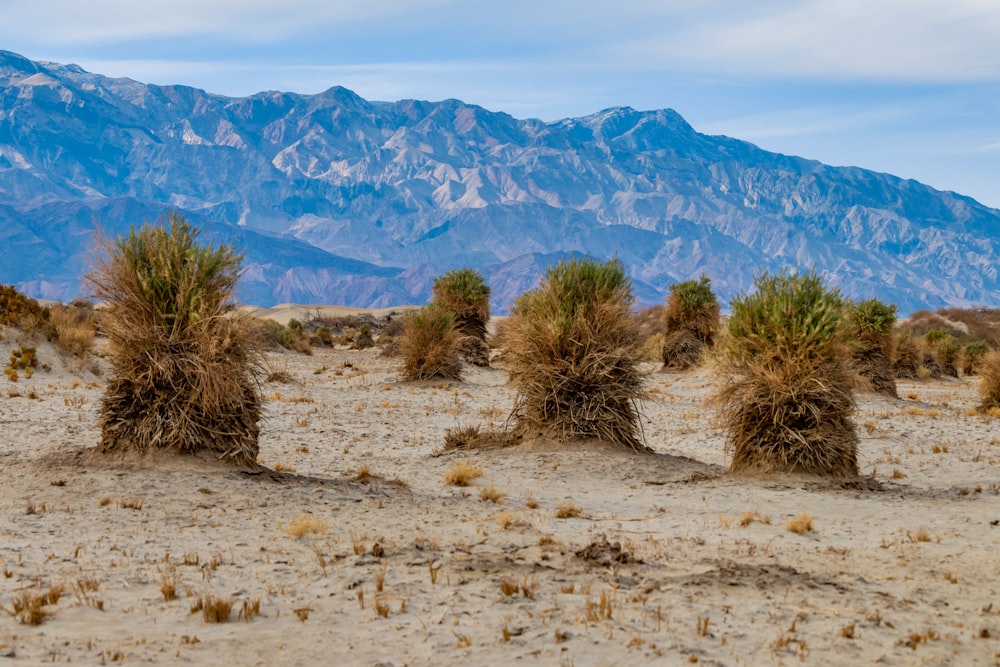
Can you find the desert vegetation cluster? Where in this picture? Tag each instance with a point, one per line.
(183, 369)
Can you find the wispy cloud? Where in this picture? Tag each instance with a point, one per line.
(905, 40)
(806, 121)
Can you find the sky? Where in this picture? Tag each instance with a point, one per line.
(909, 87)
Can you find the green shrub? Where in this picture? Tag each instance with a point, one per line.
(971, 356)
(691, 321)
(185, 362)
(989, 381)
(786, 403)
(429, 345)
(465, 294)
(945, 348)
(573, 351)
(21, 311)
(869, 329)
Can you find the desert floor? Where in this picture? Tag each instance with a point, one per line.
(349, 548)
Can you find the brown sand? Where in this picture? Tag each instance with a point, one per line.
(900, 568)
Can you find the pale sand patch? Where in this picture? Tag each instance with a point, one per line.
(900, 569)
(285, 312)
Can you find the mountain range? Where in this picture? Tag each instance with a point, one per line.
(336, 199)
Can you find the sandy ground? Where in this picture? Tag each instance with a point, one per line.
(351, 549)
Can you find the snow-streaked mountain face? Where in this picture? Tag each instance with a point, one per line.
(333, 198)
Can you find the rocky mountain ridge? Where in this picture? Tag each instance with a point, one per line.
(337, 199)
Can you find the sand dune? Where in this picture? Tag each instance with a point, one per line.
(356, 552)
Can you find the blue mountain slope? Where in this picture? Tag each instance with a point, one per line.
(335, 198)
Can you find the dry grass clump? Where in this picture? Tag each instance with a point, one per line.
(29, 606)
(567, 510)
(786, 401)
(989, 382)
(213, 609)
(573, 352)
(464, 294)
(185, 362)
(691, 319)
(461, 473)
(307, 524)
(869, 328)
(473, 437)
(801, 524)
(73, 331)
(429, 345)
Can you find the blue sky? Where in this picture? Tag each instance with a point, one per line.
(910, 87)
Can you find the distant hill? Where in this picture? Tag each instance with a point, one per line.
(337, 199)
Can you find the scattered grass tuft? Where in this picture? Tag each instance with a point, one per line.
(461, 473)
(801, 524)
(307, 524)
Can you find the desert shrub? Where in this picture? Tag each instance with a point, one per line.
(912, 358)
(272, 334)
(363, 339)
(573, 352)
(21, 311)
(922, 322)
(185, 362)
(465, 294)
(786, 401)
(979, 323)
(429, 345)
(945, 349)
(989, 381)
(869, 328)
(971, 356)
(323, 336)
(691, 320)
(73, 329)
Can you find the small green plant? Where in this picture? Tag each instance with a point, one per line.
(22, 359)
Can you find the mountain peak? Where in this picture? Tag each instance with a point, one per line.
(338, 199)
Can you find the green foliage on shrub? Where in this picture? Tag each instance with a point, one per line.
(871, 317)
(787, 317)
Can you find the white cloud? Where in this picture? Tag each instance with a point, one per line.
(74, 22)
(805, 122)
(910, 40)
